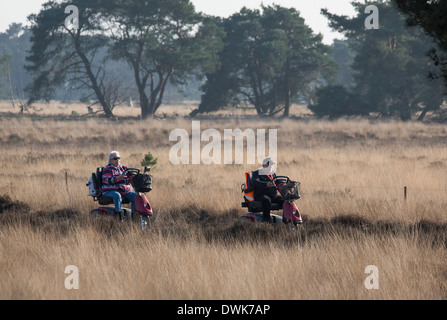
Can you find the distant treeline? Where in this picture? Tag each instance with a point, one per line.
(153, 51)
(14, 46)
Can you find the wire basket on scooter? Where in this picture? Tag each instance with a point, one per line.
(142, 183)
(290, 191)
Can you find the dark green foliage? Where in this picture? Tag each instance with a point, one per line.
(149, 160)
(160, 41)
(391, 63)
(61, 56)
(168, 42)
(269, 58)
(430, 16)
(335, 101)
(343, 54)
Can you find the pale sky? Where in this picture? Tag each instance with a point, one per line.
(17, 11)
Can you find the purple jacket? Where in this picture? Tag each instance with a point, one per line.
(108, 179)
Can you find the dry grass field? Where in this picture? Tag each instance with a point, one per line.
(352, 174)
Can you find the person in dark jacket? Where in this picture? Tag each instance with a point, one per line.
(115, 183)
(265, 190)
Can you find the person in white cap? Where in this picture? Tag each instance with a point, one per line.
(265, 189)
(116, 185)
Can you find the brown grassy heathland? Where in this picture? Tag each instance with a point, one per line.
(353, 175)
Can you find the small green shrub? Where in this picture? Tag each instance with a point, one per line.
(149, 160)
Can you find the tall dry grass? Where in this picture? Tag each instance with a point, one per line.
(197, 248)
(119, 262)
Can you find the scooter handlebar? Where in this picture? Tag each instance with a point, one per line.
(132, 171)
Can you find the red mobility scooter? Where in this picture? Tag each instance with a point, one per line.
(289, 190)
(141, 183)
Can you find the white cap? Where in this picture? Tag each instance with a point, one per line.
(114, 154)
(268, 160)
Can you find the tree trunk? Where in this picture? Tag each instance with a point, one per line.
(99, 94)
(145, 107)
(423, 114)
(10, 85)
(144, 102)
(287, 94)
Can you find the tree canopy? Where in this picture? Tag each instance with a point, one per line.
(265, 59)
(161, 40)
(431, 17)
(391, 64)
(269, 57)
(62, 56)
